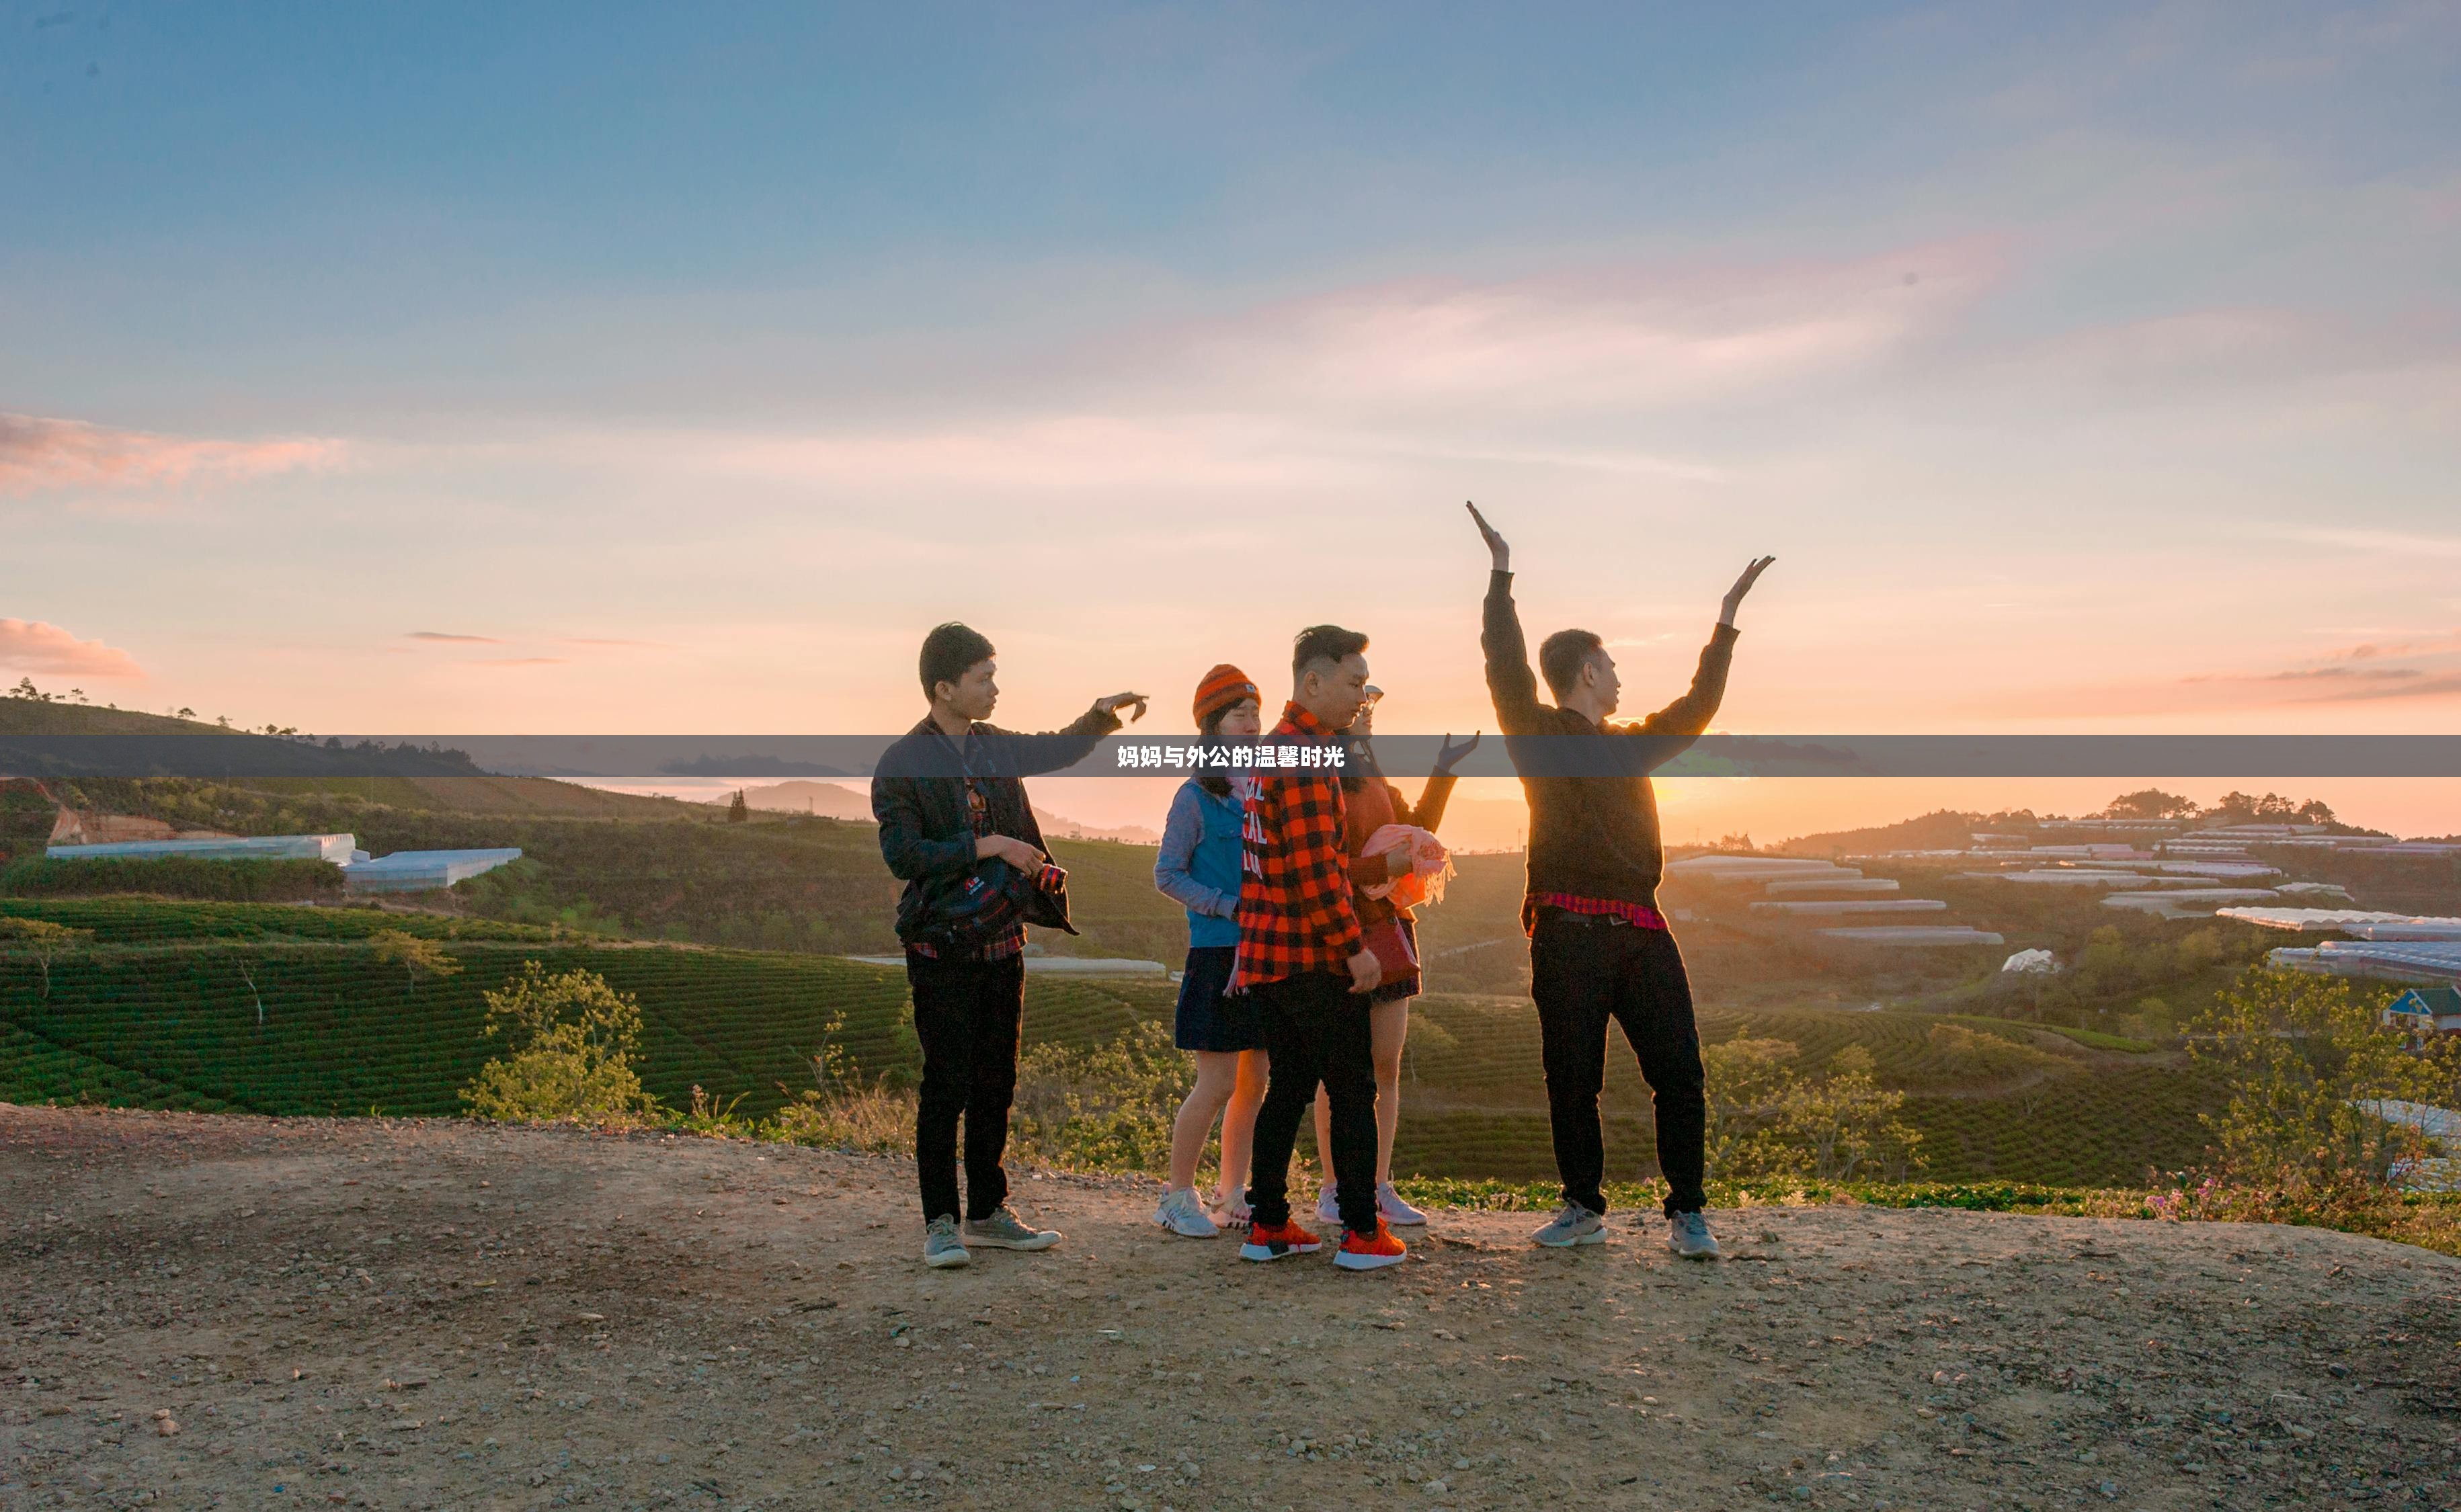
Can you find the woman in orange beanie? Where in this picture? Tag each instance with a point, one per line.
(1199, 868)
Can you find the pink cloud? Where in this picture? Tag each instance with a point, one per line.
(34, 647)
(1611, 337)
(1335, 390)
(39, 453)
(461, 640)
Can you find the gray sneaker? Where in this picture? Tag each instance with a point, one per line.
(1574, 1225)
(1001, 1230)
(941, 1245)
(1688, 1235)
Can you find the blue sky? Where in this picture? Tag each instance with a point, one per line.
(2087, 367)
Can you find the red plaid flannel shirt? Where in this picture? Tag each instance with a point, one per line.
(1295, 912)
(1638, 914)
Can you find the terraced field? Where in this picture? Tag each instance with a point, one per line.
(286, 1009)
(281, 1010)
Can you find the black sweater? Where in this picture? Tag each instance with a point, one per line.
(1592, 813)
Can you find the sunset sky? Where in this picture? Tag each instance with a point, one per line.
(630, 368)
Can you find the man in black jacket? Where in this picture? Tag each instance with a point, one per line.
(956, 827)
(1598, 946)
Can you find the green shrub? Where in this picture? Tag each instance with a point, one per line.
(1106, 1108)
(573, 1041)
(1768, 1120)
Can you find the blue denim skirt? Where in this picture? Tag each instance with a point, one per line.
(1209, 1017)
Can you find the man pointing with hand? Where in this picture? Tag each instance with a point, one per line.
(956, 828)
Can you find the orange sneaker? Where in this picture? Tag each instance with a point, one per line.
(1370, 1251)
(1278, 1242)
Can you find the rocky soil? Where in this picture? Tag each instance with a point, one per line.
(201, 1312)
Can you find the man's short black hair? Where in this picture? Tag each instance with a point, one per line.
(948, 651)
(1330, 642)
(1562, 655)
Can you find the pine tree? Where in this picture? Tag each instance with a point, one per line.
(738, 811)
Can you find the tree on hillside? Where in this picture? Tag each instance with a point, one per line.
(571, 1044)
(2148, 803)
(2310, 1065)
(417, 957)
(2238, 808)
(738, 811)
(44, 940)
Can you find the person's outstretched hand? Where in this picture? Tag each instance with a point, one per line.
(1499, 554)
(1111, 705)
(1449, 755)
(1742, 585)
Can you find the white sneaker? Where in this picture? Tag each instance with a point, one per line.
(1233, 1212)
(1328, 1205)
(1393, 1211)
(1688, 1235)
(1178, 1213)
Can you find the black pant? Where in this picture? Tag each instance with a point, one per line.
(966, 1014)
(1315, 1030)
(1581, 974)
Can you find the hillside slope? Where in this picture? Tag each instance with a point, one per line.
(415, 1314)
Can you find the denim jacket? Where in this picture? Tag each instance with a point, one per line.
(1199, 864)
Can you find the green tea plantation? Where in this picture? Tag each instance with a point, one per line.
(288, 1009)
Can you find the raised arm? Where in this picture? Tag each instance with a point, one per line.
(1509, 678)
(1429, 811)
(1689, 715)
(1061, 749)
(1179, 832)
(896, 803)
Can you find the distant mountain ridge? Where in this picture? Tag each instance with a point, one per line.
(837, 801)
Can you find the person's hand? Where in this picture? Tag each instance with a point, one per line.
(1366, 972)
(1449, 754)
(1010, 849)
(1111, 705)
(1742, 585)
(1498, 553)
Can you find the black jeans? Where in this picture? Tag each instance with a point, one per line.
(1581, 974)
(1315, 1030)
(966, 1014)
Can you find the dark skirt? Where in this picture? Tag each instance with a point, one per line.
(1209, 1017)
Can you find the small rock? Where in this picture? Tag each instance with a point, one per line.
(164, 1425)
(1435, 1488)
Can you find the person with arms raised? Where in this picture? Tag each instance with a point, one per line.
(1598, 948)
(956, 828)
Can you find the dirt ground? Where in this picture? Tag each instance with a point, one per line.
(219, 1311)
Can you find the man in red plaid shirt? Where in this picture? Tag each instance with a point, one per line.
(1302, 956)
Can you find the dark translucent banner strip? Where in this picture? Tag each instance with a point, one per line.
(758, 758)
